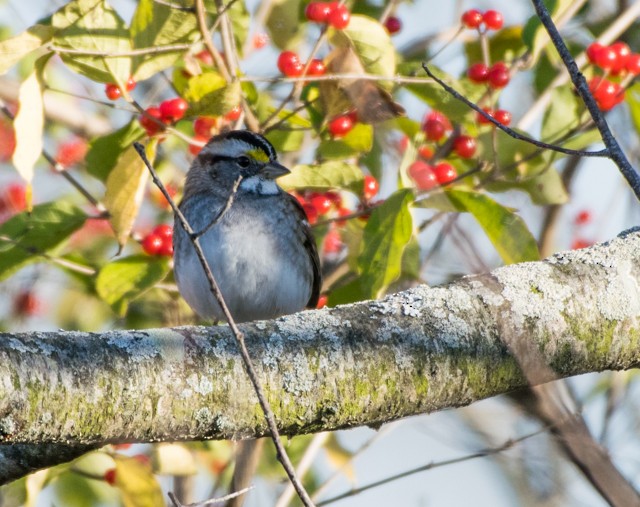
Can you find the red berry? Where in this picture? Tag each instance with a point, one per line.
(260, 40)
(493, 20)
(403, 143)
(503, 117)
(623, 52)
(465, 146)
(582, 218)
(580, 243)
(71, 152)
(339, 17)
(445, 173)
(121, 447)
(205, 57)
(471, 18)
(316, 67)
(498, 75)
(605, 58)
(481, 119)
(130, 84)
(14, 198)
(425, 152)
(166, 250)
(173, 110)
(422, 174)
(311, 212)
(289, 64)
(204, 126)
(592, 50)
(393, 25)
(322, 301)
(163, 230)
(332, 242)
(321, 203)
(112, 91)
(234, 114)
(110, 476)
(606, 93)
(26, 304)
(632, 64)
(335, 198)
(197, 143)
(317, 12)
(340, 125)
(148, 123)
(152, 243)
(478, 72)
(8, 144)
(434, 129)
(371, 187)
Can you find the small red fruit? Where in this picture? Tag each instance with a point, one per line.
(471, 18)
(26, 304)
(71, 152)
(8, 144)
(498, 75)
(311, 212)
(110, 476)
(632, 64)
(592, 51)
(393, 25)
(465, 146)
(316, 68)
(445, 173)
(130, 84)
(340, 126)
(112, 91)
(197, 143)
(152, 243)
(163, 230)
(173, 110)
(503, 117)
(234, 114)
(434, 129)
(481, 119)
(423, 175)
(204, 126)
(606, 93)
(205, 57)
(332, 242)
(371, 187)
(322, 301)
(14, 198)
(580, 243)
(321, 203)
(493, 20)
(317, 12)
(289, 64)
(425, 152)
(623, 52)
(339, 17)
(148, 123)
(478, 72)
(260, 40)
(583, 217)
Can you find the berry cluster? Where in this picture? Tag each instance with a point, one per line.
(427, 176)
(159, 241)
(616, 60)
(581, 219)
(206, 126)
(496, 76)
(169, 112)
(113, 92)
(321, 205)
(290, 65)
(489, 20)
(334, 14)
(71, 152)
(500, 115)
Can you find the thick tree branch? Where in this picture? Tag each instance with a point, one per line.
(363, 364)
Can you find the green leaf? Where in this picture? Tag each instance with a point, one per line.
(436, 97)
(562, 114)
(104, 151)
(74, 490)
(328, 175)
(93, 26)
(156, 24)
(14, 49)
(386, 235)
(283, 24)
(632, 97)
(546, 188)
(507, 231)
(371, 42)
(26, 235)
(285, 140)
(125, 190)
(504, 45)
(534, 36)
(210, 95)
(358, 140)
(123, 280)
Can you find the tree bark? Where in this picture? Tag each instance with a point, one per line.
(368, 363)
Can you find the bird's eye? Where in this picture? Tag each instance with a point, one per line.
(244, 161)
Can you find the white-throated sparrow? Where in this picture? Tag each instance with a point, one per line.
(261, 251)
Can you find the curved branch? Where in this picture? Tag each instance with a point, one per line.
(362, 364)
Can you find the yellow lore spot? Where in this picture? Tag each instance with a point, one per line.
(258, 155)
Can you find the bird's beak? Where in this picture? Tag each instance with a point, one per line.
(274, 170)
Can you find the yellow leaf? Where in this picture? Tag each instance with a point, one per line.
(340, 457)
(174, 459)
(125, 190)
(137, 484)
(13, 49)
(28, 125)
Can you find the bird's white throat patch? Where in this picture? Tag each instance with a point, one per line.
(260, 186)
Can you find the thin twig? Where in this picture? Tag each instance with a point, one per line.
(281, 453)
(211, 501)
(507, 130)
(614, 151)
(223, 211)
(170, 48)
(208, 43)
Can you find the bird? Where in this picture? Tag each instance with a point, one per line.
(256, 240)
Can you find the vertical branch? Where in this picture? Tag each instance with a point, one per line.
(577, 78)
